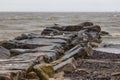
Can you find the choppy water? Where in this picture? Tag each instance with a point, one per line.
(13, 24)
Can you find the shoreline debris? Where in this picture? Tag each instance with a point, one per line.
(41, 56)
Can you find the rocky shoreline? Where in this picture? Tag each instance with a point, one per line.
(100, 66)
(67, 49)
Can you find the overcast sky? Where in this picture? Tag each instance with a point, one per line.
(60, 5)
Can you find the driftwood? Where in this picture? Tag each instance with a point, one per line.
(4, 53)
(36, 56)
(48, 70)
(59, 64)
(59, 29)
(32, 43)
(31, 36)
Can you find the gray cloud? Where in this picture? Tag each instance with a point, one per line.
(59, 5)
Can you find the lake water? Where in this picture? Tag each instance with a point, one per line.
(14, 24)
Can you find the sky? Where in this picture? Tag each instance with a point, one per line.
(60, 5)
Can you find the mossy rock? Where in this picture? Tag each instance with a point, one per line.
(32, 75)
(48, 69)
(41, 74)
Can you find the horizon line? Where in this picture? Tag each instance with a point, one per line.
(60, 11)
